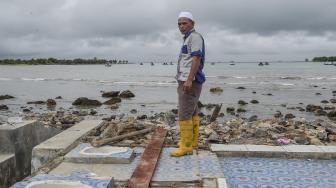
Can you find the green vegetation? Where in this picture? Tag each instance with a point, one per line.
(54, 61)
(324, 59)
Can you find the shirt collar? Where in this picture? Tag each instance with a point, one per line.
(188, 33)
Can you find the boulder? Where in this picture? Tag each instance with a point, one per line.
(252, 118)
(111, 94)
(114, 106)
(126, 94)
(3, 97)
(83, 101)
(324, 101)
(240, 87)
(216, 90)
(36, 102)
(289, 116)
(312, 108)
(51, 102)
(320, 112)
(3, 107)
(113, 100)
(239, 110)
(241, 102)
(332, 100)
(59, 97)
(254, 101)
(230, 109)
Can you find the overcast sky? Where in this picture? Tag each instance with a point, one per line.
(146, 30)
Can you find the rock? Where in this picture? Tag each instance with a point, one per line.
(334, 92)
(214, 137)
(111, 94)
(221, 114)
(332, 115)
(322, 135)
(169, 118)
(25, 110)
(83, 113)
(113, 100)
(230, 109)
(252, 118)
(324, 101)
(329, 108)
(93, 112)
(216, 90)
(126, 94)
(59, 97)
(283, 105)
(254, 92)
(3, 107)
(51, 102)
(300, 109)
(3, 97)
(239, 110)
(254, 101)
(320, 112)
(312, 108)
(175, 111)
(114, 106)
(133, 111)
(36, 102)
(289, 116)
(283, 123)
(332, 100)
(301, 140)
(318, 94)
(278, 114)
(142, 117)
(83, 101)
(241, 102)
(199, 104)
(269, 94)
(240, 87)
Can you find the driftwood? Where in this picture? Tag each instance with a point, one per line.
(101, 142)
(215, 113)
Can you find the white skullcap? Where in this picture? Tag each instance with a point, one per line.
(186, 15)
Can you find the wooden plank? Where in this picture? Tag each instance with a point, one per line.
(143, 173)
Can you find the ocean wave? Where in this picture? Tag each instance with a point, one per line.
(33, 79)
(316, 78)
(291, 78)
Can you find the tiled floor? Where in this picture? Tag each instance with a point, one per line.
(279, 173)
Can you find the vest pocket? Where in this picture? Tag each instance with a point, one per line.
(184, 49)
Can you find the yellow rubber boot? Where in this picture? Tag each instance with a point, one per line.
(186, 134)
(196, 124)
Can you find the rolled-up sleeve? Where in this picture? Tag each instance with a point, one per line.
(196, 45)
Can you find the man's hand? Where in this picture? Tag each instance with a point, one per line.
(187, 85)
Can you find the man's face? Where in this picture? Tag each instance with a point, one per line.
(185, 25)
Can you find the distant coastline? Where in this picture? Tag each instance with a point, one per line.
(54, 61)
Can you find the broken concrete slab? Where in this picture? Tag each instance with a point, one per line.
(229, 150)
(85, 153)
(61, 143)
(20, 138)
(7, 170)
(80, 180)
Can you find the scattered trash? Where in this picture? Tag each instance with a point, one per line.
(283, 141)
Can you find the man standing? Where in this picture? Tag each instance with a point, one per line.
(190, 78)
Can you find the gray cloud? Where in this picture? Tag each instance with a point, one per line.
(146, 30)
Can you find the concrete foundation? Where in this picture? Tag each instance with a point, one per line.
(7, 169)
(19, 139)
(61, 143)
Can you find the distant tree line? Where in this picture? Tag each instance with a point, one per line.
(324, 59)
(54, 61)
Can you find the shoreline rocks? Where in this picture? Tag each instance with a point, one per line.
(83, 101)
